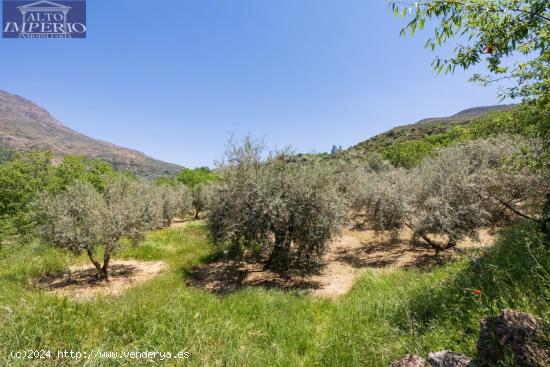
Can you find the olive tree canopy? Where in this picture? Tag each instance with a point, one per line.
(292, 210)
(80, 219)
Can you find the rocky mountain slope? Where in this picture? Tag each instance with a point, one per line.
(27, 126)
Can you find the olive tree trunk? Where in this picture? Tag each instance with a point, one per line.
(102, 270)
(280, 256)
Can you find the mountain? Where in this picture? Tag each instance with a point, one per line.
(27, 126)
(425, 127)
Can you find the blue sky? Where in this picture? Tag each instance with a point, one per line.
(175, 78)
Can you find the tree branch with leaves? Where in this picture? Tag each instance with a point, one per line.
(511, 36)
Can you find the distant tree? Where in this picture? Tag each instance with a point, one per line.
(7, 155)
(203, 195)
(335, 149)
(80, 168)
(165, 181)
(175, 200)
(408, 154)
(185, 200)
(21, 178)
(498, 31)
(192, 177)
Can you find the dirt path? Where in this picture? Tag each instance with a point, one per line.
(346, 258)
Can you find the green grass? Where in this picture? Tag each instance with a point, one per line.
(386, 315)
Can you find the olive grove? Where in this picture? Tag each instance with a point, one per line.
(457, 191)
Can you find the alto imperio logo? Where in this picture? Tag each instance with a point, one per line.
(44, 19)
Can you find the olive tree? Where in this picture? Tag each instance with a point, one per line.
(442, 197)
(185, 200)
(291, 210)
(81, 219)
(133, 208)
(175, 200)
(305, 212)
(203, 195)
(385, 200)
(520, 185)
(355, 177)
(453, 193)
(237, 217)
(72, 220)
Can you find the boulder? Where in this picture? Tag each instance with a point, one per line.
(449, 359)
(409, 360)
(516, 332)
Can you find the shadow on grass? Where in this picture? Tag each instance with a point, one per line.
(222, 276)
(84, 277)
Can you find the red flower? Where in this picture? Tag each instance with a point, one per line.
(477, 291)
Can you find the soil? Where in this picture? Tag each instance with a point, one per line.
(354, 253)
(179, 223)
(81, 283)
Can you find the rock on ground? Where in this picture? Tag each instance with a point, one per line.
(516, 332)
(409, 360)
(449, 359)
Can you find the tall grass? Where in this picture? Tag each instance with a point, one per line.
(387, 314)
